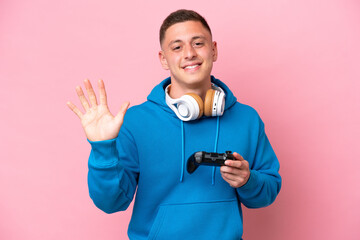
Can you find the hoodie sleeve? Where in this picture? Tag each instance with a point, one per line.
(113, 172)
(265, 182)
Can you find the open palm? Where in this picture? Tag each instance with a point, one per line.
(98, 122)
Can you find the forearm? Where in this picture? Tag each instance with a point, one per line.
(111, 186)
(260, 190)
(265, 181)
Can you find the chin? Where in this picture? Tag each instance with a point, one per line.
(195, 82)
(199, 80)
(191, 80)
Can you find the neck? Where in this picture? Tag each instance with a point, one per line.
(177, 90)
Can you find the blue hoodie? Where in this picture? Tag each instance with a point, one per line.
(150, 155)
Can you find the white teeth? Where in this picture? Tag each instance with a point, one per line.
(193, 66)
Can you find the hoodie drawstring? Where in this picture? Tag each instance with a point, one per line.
(215, 147)
(183, 149)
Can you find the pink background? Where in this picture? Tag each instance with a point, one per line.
(296, 62)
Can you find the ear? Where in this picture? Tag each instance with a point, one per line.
(215, 51)
(163, 61)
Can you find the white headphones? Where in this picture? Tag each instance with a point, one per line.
(191, 106)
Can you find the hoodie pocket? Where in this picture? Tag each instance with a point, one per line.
(211, 220)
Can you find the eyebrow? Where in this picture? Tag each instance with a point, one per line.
(192, 39)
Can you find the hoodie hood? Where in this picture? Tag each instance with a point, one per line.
(157, 95)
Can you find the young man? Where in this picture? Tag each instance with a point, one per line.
(148, 147)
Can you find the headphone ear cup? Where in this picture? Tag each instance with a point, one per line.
(208, 104)
(199, 102)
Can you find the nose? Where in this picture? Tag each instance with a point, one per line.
(189, 52)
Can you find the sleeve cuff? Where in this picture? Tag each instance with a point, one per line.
(104, 153)
(251, 183)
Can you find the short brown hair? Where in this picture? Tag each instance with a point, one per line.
(181, 15)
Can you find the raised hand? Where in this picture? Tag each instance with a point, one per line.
(98, 122)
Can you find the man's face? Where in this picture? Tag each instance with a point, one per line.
(188, 52)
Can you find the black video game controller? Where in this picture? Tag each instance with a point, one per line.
(209, 159)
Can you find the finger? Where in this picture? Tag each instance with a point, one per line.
(91, 93)
(74, 109)
(235, 180)
(234, 163)
(82, 98)
(230, 170)
(229, 177)
(103, 99)
(238, 156)
(120, 116)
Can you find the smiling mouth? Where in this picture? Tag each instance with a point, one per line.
(192, 67)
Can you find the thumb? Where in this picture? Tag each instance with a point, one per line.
(120, 116)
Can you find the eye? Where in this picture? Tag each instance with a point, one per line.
(199, 44)
(176, 48)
